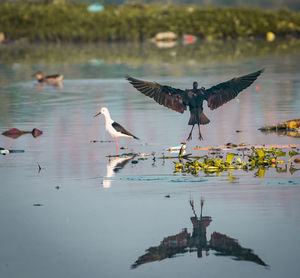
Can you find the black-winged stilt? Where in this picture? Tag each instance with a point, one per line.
(113, 128)
(179, 100)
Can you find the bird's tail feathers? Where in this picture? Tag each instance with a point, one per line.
(203, 120)
(198, 119)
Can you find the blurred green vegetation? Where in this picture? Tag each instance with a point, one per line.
(73, 22)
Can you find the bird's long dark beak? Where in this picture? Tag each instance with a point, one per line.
(33, 75)
(97, 114)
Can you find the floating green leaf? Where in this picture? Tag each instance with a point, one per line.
(280, 153)
(229, 157)
(260, 153)
(260, 159)
(261, 172)
(292, 153)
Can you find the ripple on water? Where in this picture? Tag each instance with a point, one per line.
(283, 182)
(164, 178)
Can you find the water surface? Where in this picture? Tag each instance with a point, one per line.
(87, 215)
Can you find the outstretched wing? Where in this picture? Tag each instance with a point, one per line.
(226, 91)
(175, 99)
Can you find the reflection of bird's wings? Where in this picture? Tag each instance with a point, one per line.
(115, 165)
(227, 246)
(226, 91)
(170, 97)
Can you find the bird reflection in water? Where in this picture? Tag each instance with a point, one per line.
(185, 242)
(114, 165)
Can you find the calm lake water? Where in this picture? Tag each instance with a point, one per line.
(85, 215)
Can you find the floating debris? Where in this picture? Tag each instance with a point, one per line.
(167, 196)
(178, 148)
(292, 125)
(101, 141)
(38, 205)
(292, 153)
(283, 132)
(15, 133)
(129, 155)
(248, 147)
(260, 159)
(185, 156)
(4, 151)
(40, 168)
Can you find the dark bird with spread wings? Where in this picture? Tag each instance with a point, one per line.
(179, 100)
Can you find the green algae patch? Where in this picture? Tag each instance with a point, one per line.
(259, 160)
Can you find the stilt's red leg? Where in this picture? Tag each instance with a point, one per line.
(117, 145)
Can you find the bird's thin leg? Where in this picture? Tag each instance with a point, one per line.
(190, 135)
(200, 136)
(117, 145)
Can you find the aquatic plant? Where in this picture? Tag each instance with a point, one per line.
(257, 159)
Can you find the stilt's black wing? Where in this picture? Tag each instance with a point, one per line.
(121, 129)
(226, 91)
(175, 99)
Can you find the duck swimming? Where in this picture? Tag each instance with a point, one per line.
(55, 79)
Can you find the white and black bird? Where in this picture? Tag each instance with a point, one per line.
(179, 100)
(113, 128)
